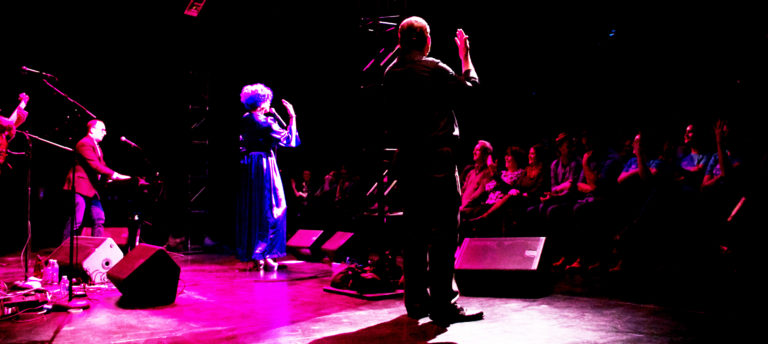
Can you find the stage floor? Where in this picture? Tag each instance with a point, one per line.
(217, 303)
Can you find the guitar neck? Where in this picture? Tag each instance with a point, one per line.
(23, 98)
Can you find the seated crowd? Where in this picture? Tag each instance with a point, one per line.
(603, 206)
(648, 201)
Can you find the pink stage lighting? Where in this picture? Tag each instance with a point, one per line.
(194, 7)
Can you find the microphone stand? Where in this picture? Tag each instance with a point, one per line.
(137, 216)
(72, 239)
(68, 98)
(72, 233)
(27, 246)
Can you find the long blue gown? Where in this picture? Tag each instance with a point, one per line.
(261, 204)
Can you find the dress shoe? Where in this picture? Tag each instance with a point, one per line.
(454, 314)
(272, 264)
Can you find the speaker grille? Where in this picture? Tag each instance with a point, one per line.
(521, 253)
(94, 256)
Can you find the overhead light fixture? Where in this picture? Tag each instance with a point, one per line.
(194, 7)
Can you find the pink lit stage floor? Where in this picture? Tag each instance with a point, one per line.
(216, 303)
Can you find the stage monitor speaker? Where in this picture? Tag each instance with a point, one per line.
(339, 246)
(147, 275)
(307, 243)
(509, 266)
(94, 257)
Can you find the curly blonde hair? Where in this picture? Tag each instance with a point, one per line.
(254, 96)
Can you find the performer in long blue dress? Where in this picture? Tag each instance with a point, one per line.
(261, 204)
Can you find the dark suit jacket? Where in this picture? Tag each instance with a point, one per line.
(89, 165)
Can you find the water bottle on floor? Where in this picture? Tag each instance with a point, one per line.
(51, 273)
(54, 271)
(64, 286)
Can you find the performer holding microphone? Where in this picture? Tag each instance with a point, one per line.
(88, 170)
(260, 232)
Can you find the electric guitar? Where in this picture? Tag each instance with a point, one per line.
(8, 126)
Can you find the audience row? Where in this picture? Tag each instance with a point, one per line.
(603, 206)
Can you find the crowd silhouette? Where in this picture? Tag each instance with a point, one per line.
(603, 206)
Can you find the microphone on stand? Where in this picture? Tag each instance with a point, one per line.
(27, 69)
(122, 138)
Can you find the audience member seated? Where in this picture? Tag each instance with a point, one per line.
(474, 208)
(348, 200)
(724, 183)
(475, 177)
(324, 200)
(556, 206)
(644, 199)
(594, 213)
(502, 186)
(692, 160)
(525, 191)
(303, 193)
(722, 170)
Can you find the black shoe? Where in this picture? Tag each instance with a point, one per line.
(455, 314)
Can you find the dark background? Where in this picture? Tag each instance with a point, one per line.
(170, 83)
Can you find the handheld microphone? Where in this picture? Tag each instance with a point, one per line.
(27, 69)
(122, 138)
(274, 112)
